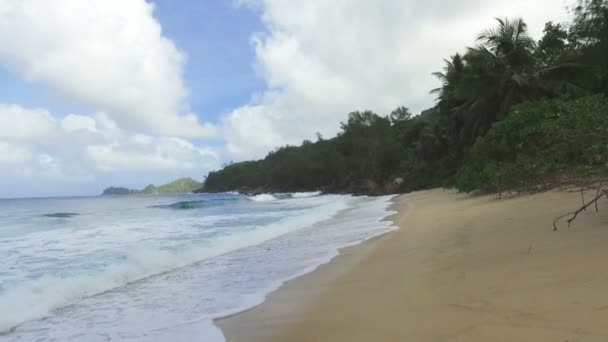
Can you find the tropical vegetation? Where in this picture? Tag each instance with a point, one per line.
(182, 185)
(511, 113)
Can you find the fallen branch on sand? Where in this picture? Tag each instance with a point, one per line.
(601, 192)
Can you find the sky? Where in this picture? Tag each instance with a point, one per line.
(132, 92)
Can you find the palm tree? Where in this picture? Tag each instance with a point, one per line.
(480, 87)
(451, 77)
(509, 44)
(510, 50)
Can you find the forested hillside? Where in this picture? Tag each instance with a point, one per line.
(180, 186)
(511, 112)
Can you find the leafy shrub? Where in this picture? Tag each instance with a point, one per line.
(538, 141)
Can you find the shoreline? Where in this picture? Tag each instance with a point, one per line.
(302, 274)
(460, 268)
(352, 252)
(338, 252)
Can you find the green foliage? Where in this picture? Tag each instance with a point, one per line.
(538, 141)
(553, 45)
(510, 112)
(182, 185)
(506, 68)
(117, 191)
(365, 149)
(400, 114)
(370, 147)
(588, 37)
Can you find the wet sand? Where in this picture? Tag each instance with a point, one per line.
(460, 268)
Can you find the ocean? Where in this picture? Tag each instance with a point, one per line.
(157, 268)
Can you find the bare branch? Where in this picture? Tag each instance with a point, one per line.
(574, 214)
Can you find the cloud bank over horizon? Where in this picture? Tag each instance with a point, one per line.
(111, 59)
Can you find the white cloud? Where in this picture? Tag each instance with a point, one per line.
(11, 154)
(19, 161)
(17, 123)
(251, 128)
(111, 58)
(49, 165)
(144, 153)
(75, 123)
(322, 59)
(109, 55)
(142, 139)
(33, 143)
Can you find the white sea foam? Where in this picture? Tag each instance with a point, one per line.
(233, 270)
(37, 298)
(262, 198)
(305, 194)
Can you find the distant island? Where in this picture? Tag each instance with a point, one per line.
(182, 185)
(116, 191)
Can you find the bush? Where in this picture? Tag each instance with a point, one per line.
(537, 142)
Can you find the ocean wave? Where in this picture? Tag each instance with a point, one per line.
(305, 194)
(38, 298)
(61, 215)
(184, 205)
(263, 198)
(188, 205)
(282, 196)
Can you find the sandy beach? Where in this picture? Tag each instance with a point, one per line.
(460, 268)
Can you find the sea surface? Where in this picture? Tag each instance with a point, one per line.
(158, 268)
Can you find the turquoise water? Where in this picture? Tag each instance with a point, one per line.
(152, 268)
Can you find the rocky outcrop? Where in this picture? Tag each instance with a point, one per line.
(361, 187)
(365, 187)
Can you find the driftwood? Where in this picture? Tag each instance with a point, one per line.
(573, 215)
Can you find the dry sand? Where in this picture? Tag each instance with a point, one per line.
(459, 269)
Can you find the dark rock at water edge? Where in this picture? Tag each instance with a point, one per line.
(365, 187)
(361, 187)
